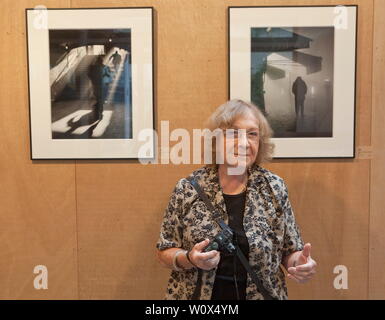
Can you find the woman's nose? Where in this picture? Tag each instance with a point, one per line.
(243, 142)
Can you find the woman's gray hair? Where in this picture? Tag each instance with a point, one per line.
(225, 116)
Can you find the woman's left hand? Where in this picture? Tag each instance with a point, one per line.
(305, 266)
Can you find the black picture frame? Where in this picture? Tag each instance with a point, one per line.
(76, 111)
(290, 136)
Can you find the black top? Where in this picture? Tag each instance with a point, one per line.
(235, 206)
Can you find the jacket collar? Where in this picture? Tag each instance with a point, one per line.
(209, 182)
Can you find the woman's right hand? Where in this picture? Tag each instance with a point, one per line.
(204, 260)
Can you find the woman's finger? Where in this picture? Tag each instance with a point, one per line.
(291, 277)
(213, 262)
(201, 245)
(299, 276)
(207, 255)
(303, 273)
(307, 266)
(292, 270)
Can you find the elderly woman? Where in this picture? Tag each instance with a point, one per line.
(253, 202)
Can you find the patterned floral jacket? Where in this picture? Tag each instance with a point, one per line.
(269, 225)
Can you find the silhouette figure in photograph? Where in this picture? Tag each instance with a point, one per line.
(100, 76)
(116, 59)
(299, 90)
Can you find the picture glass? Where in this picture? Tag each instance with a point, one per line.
(90, 84)
(292, 79)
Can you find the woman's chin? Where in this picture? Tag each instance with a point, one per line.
(237, 167)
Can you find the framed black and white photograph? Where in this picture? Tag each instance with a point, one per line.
(90, 82)
(297, 64)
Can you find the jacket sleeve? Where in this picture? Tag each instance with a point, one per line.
(292, 237)
(171, 232)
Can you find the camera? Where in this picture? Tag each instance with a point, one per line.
(222, 241)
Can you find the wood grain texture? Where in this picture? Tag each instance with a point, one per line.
(113, 209)
(331, 209)
(37, 215)
(377, 182)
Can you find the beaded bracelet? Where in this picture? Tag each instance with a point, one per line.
(174, 263)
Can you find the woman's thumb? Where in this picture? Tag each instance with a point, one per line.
(201, 245)
(306, 250)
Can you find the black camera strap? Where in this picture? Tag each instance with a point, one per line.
(239, 253)
(217, 216)
(266, 295)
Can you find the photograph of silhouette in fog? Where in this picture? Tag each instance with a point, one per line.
(292, 79)
(90, 84)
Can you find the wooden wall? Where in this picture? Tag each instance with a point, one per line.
(94, 224)
(377, 174)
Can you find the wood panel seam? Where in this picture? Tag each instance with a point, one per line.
(371, 142)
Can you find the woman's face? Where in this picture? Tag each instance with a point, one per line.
(241, 149)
